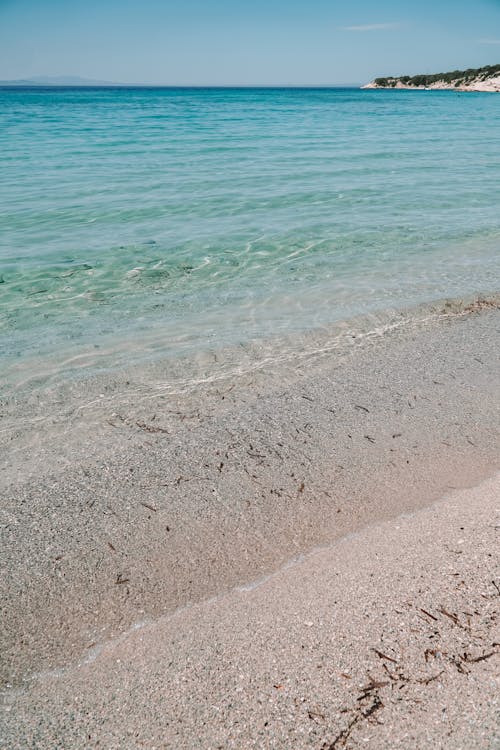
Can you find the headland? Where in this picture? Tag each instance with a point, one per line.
(472, 79)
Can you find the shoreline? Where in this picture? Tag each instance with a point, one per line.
(491, 89)
(177, 504)
(90, 406)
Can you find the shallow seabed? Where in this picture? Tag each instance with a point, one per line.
(143, 224)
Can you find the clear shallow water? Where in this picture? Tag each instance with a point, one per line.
(137, 223)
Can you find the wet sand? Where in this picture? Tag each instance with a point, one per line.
(180, 501)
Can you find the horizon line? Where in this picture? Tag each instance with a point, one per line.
(29, 84)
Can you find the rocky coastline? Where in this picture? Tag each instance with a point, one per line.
(480, 79)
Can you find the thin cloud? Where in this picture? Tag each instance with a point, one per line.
(489, 41)
(372, 27)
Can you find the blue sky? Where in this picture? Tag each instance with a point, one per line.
(231, 42)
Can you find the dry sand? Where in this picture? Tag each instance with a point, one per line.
(387, 639)
(117, 626)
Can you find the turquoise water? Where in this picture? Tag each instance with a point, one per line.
(147, 222)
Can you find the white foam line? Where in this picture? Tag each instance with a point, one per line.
(176, 388)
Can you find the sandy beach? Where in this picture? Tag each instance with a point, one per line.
(299, 556)
(387, 639)
(249, 376)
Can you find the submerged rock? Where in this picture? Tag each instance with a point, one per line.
(76, 269)
(95, 296)
(134, 272)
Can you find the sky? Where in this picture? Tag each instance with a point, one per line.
(244, 42)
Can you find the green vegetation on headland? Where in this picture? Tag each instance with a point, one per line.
(455, 77)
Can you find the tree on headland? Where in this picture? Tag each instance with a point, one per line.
(458, 77)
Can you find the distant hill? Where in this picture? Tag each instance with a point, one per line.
(58, 81)
(472, 79)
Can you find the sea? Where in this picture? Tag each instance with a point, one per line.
(139, 224)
